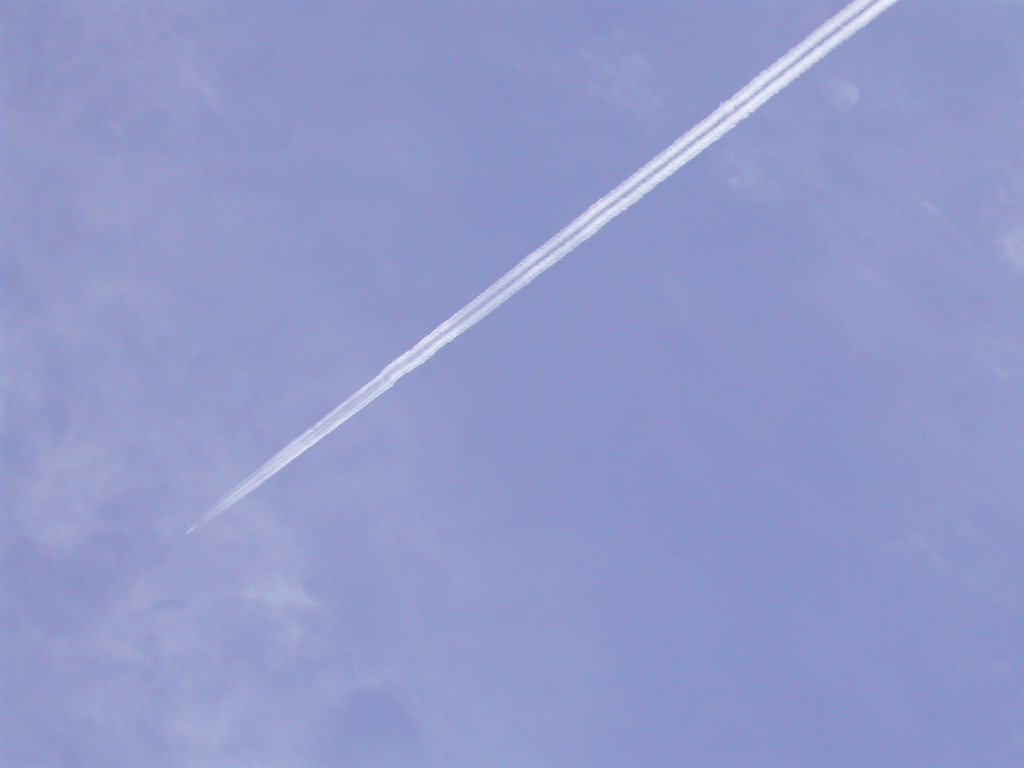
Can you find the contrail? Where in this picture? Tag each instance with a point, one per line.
(818, 44)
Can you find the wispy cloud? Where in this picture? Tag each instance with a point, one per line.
(613, 70)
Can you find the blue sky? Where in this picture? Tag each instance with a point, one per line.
(737, 483)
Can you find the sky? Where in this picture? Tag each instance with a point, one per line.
(738, 483)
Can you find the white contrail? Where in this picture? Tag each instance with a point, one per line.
(818, 44)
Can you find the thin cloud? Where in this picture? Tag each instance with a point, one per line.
(613, 71)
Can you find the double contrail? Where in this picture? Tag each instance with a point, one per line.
(818, 44)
